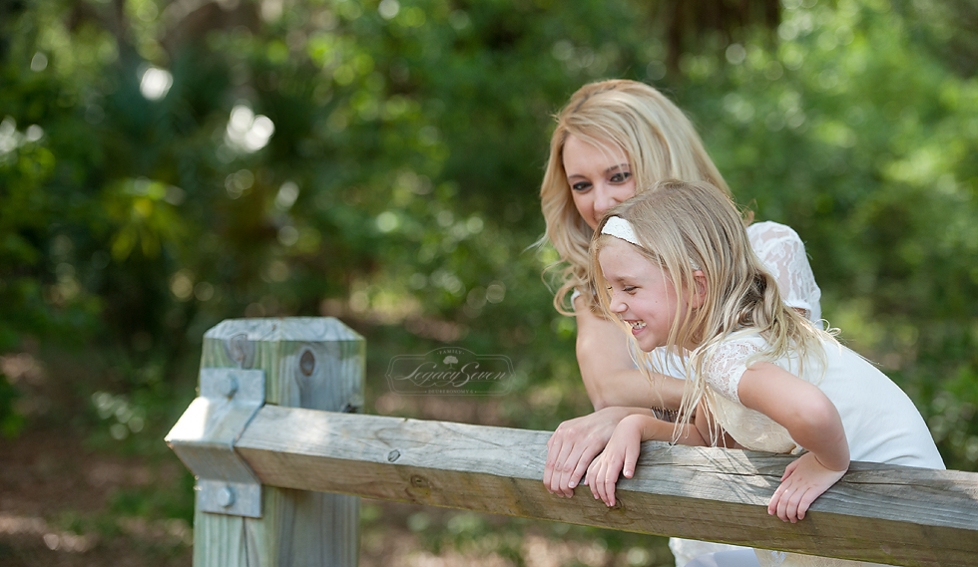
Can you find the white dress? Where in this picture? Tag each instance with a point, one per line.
(881, 423)
(782, 253)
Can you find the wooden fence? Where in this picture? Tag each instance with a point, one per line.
(305, 440)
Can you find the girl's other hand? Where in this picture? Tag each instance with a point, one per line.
(620, 456)
(804, 480)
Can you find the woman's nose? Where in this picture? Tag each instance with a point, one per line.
(605, 200)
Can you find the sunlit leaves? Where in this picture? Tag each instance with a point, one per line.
(144, 217)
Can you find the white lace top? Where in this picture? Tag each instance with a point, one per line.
(881, 423)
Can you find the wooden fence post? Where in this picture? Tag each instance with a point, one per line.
(309, 362)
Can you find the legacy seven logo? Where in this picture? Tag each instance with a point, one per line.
(452, 371)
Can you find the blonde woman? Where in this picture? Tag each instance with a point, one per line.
(675, 268)
(611, 138)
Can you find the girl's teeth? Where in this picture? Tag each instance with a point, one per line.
(638, 325)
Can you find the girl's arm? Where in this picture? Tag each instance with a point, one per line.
(621, 454)
(813, 422)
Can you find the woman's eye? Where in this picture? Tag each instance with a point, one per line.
(580, 187)
(620, 177)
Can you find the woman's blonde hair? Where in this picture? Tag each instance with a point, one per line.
(656, 137)
(691, 229)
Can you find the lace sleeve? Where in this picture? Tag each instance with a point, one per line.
(726, 365)
(783, 254)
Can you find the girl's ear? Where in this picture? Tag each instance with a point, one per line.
(699, 284)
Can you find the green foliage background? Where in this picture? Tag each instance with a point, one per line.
(398, 190)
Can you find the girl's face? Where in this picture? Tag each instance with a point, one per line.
(599, 176)
(642, 294)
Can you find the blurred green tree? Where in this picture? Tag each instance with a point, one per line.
(166, 165)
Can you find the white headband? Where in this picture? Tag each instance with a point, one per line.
(620, 228)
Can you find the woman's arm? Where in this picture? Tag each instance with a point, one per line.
(813, 422)
(609, 374)
(616, 389)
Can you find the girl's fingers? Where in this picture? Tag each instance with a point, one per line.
(609, 493)
(631, 459)
(805, 501)
(772, 506)
(601, 481)
(789, 469)
(592, 477)
(791, 510)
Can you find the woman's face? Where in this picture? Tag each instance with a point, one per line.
(599, 176)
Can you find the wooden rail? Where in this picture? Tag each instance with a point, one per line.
(884, 514)
(878, 513)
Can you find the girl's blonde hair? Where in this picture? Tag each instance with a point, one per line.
(690, 229)
(656, 137)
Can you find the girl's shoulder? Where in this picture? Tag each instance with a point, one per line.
(726, 360)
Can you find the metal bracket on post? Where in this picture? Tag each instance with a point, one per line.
(205, 435)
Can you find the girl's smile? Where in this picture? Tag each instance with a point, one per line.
(642, 294)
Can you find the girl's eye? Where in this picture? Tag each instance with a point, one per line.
(581, 186)
(620, 177)
(628, 289)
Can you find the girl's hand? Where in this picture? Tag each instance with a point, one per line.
(804, 480)
(573, 446)
(620, 455)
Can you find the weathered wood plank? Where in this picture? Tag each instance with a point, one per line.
(884, 514)
(309, 362)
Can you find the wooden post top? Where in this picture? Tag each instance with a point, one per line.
(302, 329)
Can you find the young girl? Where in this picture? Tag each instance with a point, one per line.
(675, 267)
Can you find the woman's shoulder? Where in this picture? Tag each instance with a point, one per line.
(770, 230)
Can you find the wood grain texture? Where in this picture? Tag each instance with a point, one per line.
(879, 513)
(309, 362)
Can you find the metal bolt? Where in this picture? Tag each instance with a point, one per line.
(393, 455)
(226, 496)
(230, 386)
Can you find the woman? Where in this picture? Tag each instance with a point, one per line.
(614, 138)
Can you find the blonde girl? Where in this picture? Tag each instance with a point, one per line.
(612, 140)
(674, 267)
